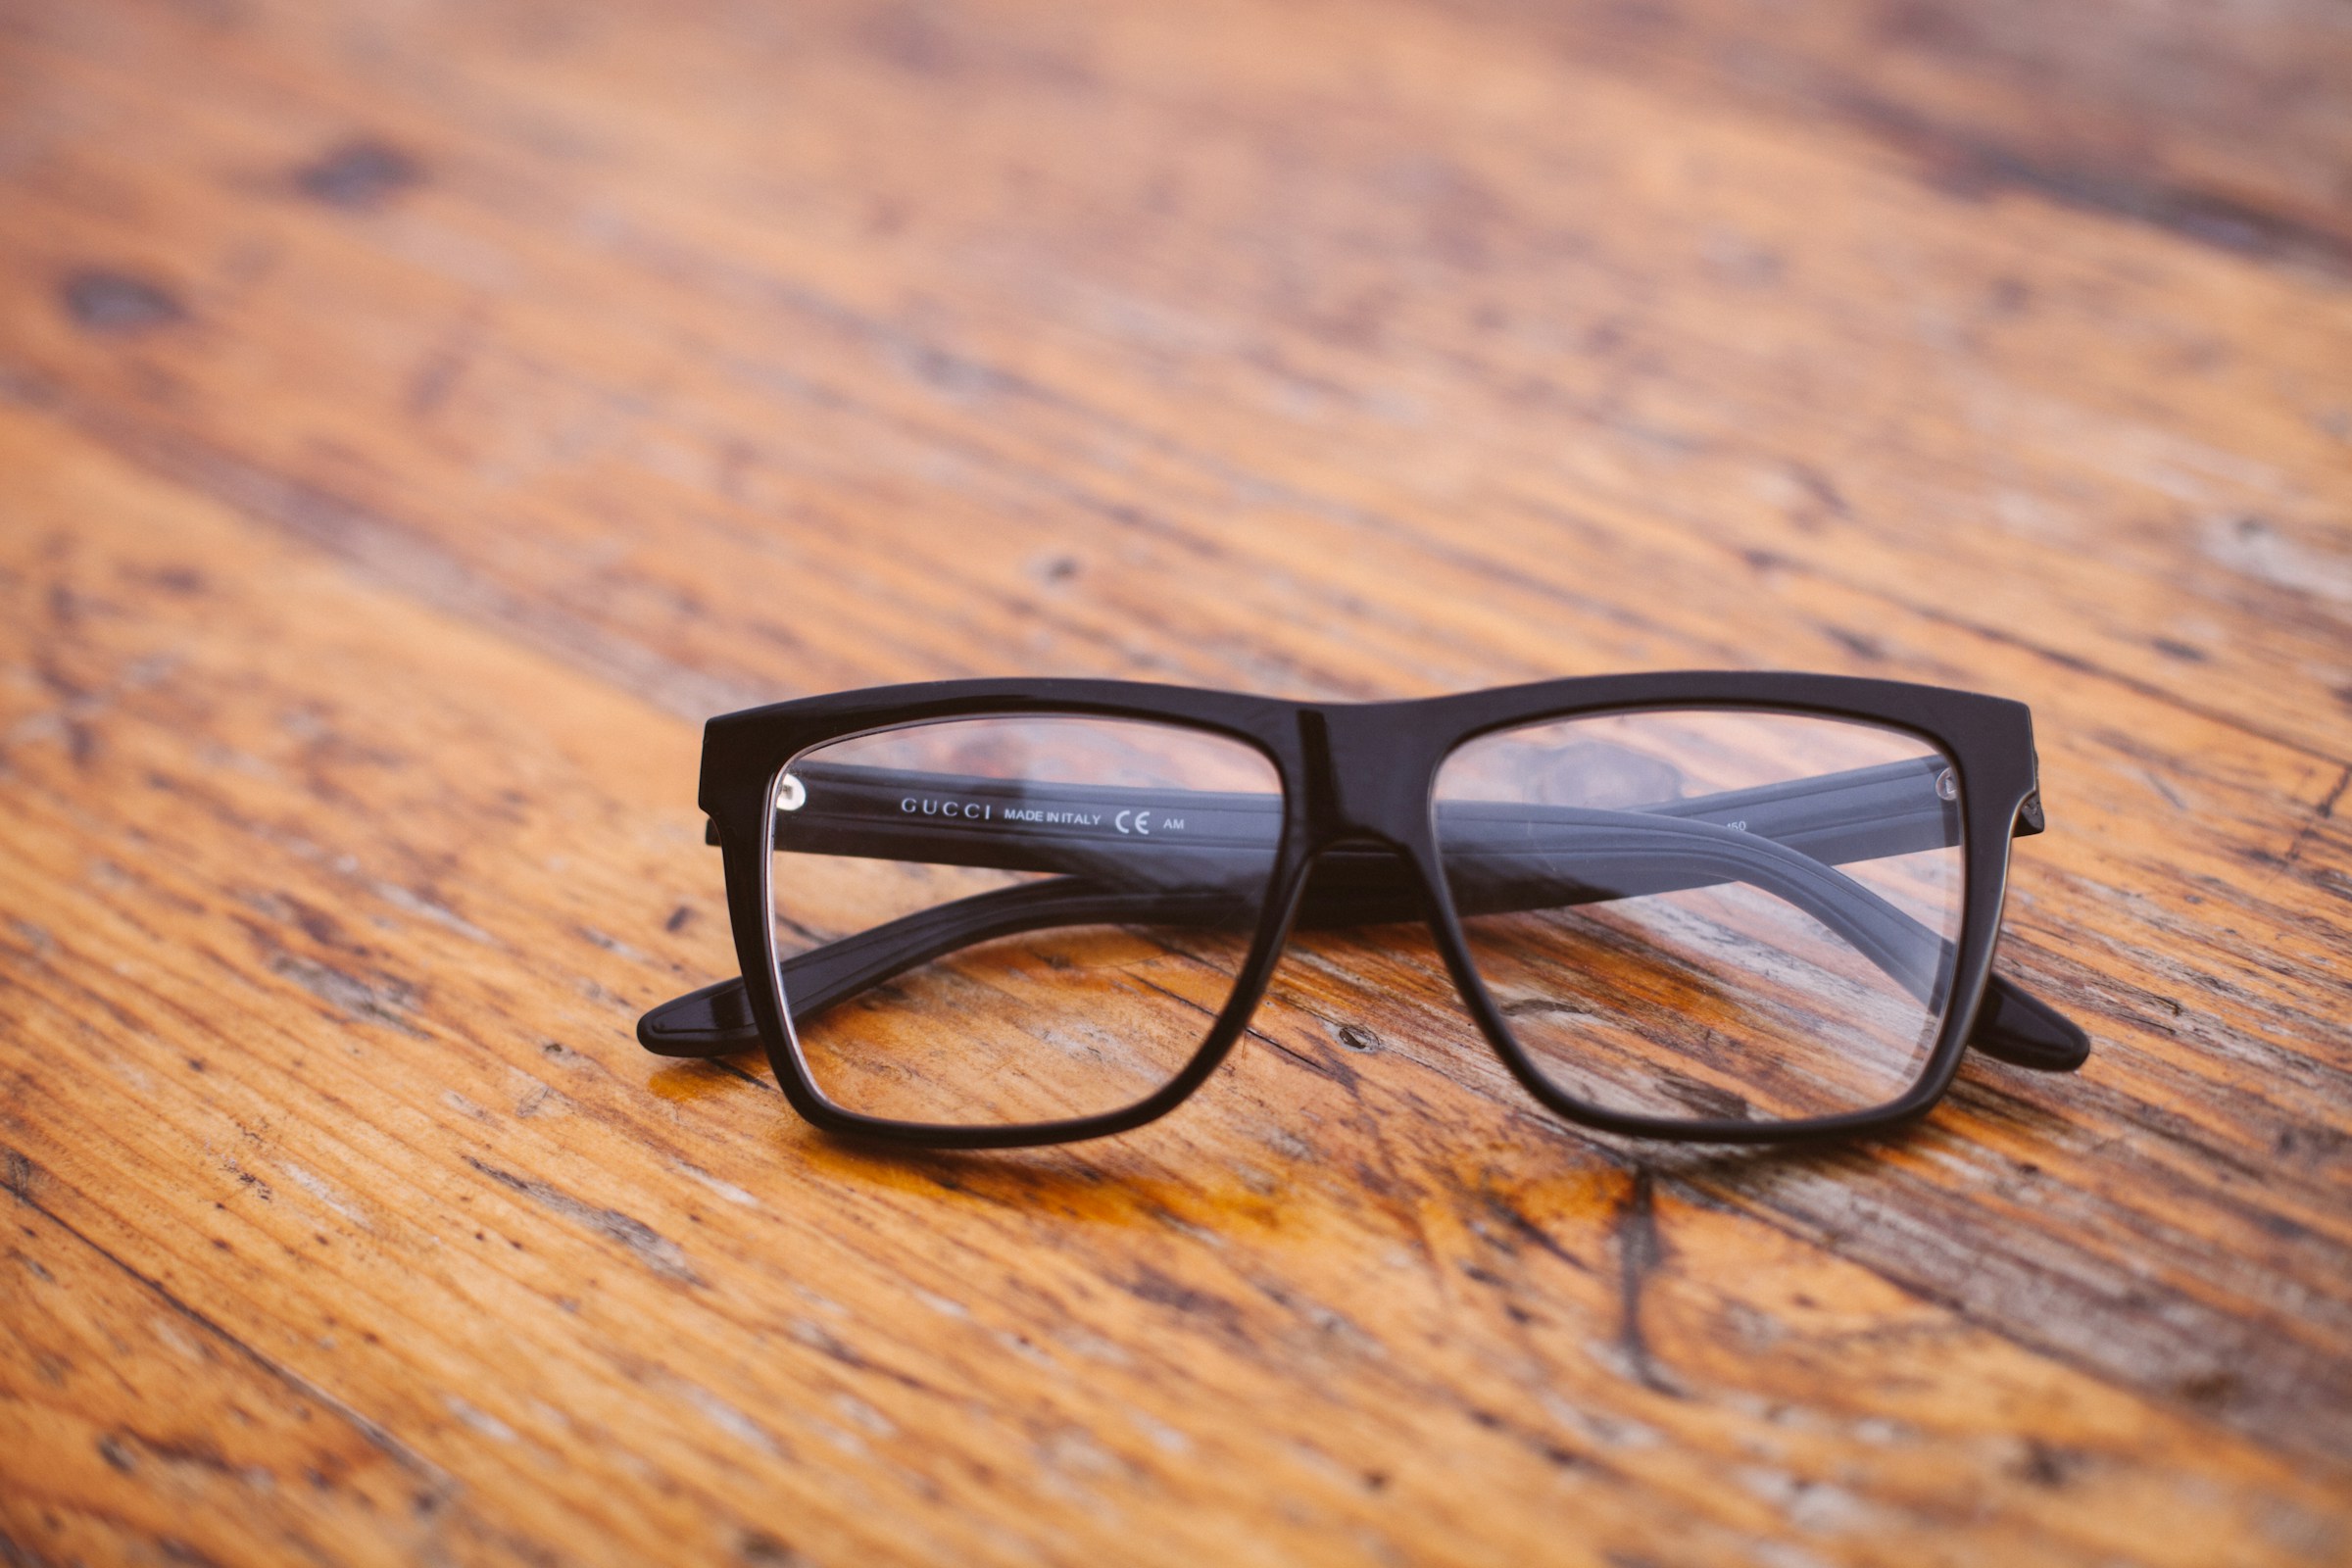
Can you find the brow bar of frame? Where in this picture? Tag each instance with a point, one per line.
(1504, 856)
(1014, 824)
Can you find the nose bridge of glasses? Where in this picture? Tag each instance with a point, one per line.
(1367, 779)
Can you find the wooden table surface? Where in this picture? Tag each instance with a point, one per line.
(416, 420)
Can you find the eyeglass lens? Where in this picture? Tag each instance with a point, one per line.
(1710, 914)
(1067, 901)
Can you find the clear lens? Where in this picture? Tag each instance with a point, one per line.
(1704, 914)
(1007, 921)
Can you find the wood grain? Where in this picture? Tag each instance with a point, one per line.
(413, 426)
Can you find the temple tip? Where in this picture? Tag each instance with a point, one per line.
(2026, 1032)
(714, 1021)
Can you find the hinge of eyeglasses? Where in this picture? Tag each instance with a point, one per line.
(791, 796)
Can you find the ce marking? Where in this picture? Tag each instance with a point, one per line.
(1143, 822)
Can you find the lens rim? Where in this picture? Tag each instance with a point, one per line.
(744, 756)
(1363, 774)
(1028, 1132)
(1520, 1055)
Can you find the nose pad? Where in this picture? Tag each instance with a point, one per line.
(1362, 882)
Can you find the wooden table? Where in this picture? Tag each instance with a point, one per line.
(414, 421)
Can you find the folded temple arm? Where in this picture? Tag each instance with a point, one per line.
(1195, 858)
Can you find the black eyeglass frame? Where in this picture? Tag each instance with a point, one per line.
(1365, 774)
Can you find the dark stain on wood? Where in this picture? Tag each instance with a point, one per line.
(113, 303)
(359, 174)
(1640, 1250)
(1980, 166)
(19, 1173)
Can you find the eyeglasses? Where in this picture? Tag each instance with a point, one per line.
(1725, 907)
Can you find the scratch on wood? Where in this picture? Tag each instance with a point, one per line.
(2328, 806)
(651, 1248)
(2325, 811)
(348, 994)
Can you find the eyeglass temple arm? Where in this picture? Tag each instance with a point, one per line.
(2011, 1025)
(1512, 857)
